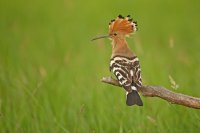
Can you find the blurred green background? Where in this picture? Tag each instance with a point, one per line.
(50, 71)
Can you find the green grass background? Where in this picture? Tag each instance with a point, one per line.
(50, 71)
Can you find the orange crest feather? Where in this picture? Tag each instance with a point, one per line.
(123, 25)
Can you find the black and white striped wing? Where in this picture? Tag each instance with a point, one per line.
(136, 73)
(127, 71)
(121, 69)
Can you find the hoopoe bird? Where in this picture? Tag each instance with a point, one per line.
(124, 63)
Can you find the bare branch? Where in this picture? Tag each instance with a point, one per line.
(159, 91)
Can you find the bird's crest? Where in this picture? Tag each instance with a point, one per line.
(122, 25)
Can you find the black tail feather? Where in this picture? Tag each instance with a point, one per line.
(133, 98)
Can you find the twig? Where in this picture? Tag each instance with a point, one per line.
(163, 93)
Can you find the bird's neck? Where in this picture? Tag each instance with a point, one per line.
(120, 47)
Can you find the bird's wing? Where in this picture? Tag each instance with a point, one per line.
(122, 72)
(136, 74)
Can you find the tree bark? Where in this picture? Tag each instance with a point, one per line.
(163, 93)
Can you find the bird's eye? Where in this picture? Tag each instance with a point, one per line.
(115, 34)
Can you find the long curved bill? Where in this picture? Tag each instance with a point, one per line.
(100, 37)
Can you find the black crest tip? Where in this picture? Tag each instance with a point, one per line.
(112, 20)
(120, 16)
(130, 20)
(135, 22)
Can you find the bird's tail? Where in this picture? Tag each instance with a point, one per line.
(133, 98)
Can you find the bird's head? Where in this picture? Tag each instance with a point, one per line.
(120, 28)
